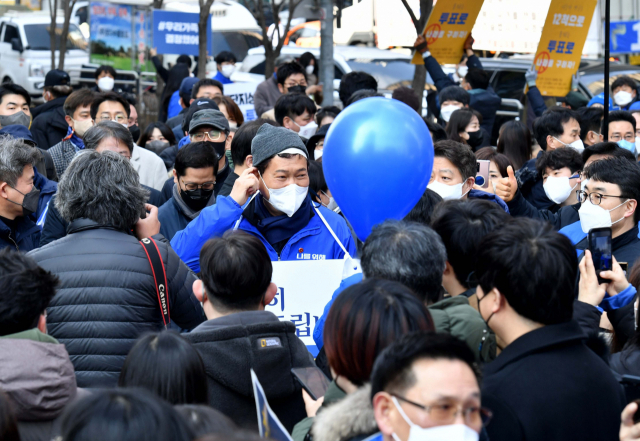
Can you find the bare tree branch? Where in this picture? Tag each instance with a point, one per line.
(413, 16)
(53, 12)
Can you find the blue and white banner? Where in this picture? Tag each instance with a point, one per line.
(268, 423)
(624, 37)
(177, 32)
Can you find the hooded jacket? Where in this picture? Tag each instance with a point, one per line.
(38, 377)
(314, 239)
(530, 184)
(232, 345)
(49, 126)
(107, 297)
(174, 215)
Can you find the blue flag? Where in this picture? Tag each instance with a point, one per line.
(268, 423)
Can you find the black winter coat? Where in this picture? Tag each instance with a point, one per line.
(548, 385)
(25, 238)
(520, 207)
(107, 297)
(49, 126)
(233, 344)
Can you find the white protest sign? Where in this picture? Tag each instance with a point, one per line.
(304, 289)
(242, 94)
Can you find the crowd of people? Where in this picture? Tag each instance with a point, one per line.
(136, 265)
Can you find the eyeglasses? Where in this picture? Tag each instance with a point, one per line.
(446, 413)
(119, 118)
(617, 137)
(595, 198)
(213, 135)
(192, 186)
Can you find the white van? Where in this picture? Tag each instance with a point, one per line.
(25, 50)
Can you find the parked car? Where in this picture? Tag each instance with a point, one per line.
(25, 50)
(304, 35)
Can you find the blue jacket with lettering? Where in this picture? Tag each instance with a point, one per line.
(313, 242)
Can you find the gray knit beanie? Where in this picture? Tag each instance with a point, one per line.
(271, 140)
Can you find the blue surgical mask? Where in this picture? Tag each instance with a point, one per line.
(627, 145)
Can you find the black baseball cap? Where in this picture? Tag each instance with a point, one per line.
(56, 77)
(198, 104)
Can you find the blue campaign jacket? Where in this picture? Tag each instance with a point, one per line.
(174, 106)
(313, 242)
(224, 80)
(47, 190)
(479, 194)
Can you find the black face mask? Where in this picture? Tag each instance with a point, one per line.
(135, 132)
(196, 199)
(297, 89)
(157, 146)
(219, 148)
(30, 202)
(475, 138)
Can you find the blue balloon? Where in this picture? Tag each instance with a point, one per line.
(377, 161)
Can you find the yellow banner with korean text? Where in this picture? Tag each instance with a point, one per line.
(448, 27)
(560, 49)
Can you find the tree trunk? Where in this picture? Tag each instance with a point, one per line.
(420, 74)
(205, 7)
(68, 7)
(53, 11)
(419, 80)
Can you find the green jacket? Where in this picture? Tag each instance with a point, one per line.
(455, 316)
(32, 334)
(333, 395)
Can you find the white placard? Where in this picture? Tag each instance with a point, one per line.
(304, 289)
(242, 94)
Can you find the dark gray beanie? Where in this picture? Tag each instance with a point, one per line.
(271, 140)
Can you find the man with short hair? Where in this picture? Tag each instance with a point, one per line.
(77, 109)
(353, 82)
(591, 125)
(212, 127)
(112, 107)
(454, 173)
(105, 79)
(282, 215)
(226, 66)
(560, 172)
(49, 125)
(426, 382)
(194, 176)
(476, 82)
(622, 130)
(461, 225)
(18, 195)
(206, 88)
(296, 111)
(15, 104)
(241, 152)
(531, 312)
(406, 95)
(291, 77)
(624, 91)
(28, 356)
(235, 287)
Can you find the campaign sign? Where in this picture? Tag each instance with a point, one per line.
(242, 94)
(624, 37)
(560, 49)
(449, 25)
(268, 423)
(111, 39)
(304, 289)
(177, 32)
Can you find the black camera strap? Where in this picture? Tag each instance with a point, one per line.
(159, 276)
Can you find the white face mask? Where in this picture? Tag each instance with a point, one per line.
(307, 131)
(577, 144)
(451, 432)
(317, 154)
(594, 216)
(106, 84)
(447, 192)
(287, 199)
(80, 127)
(622, 98)
(558, 188)
(446, 111)
(309, 69)
(332, 203)
(227, 70)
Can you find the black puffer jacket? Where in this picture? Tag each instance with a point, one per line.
(107, 297)
(49, 126)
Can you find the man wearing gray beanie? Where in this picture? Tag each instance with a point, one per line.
(271, 200)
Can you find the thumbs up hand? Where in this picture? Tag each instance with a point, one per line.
(506, 188)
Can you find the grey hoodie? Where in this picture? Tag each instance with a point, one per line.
(39, 379)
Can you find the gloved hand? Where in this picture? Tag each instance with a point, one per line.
(531, 76)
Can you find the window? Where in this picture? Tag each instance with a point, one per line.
(10, 32)
(38, 37)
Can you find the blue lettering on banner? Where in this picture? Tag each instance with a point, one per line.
(280, 294)
(177, 32)
(624, 37)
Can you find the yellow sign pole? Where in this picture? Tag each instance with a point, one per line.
(448, 27)
(560, 49)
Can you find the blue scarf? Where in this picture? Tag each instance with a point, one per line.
(75, 139)
(277, 229)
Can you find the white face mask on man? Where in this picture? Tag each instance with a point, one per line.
(446, 111)
(558, 188)
(447, 192)
(106, 84)
(450, 432)
(594, 216)
(286, 199)
(622, 98)
(578, 145)
(307, 131)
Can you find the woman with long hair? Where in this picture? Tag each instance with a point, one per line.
(515, 143)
